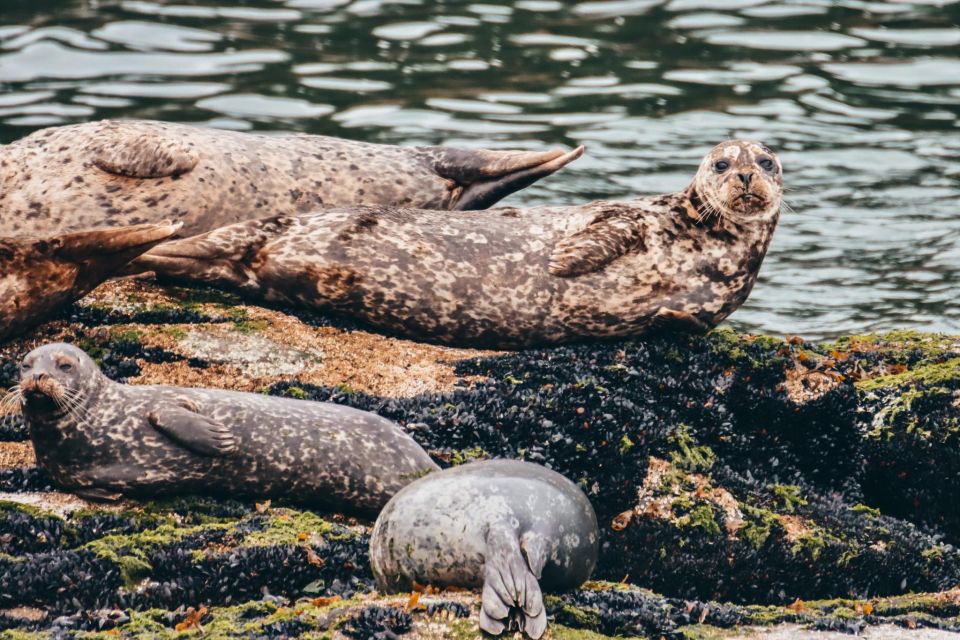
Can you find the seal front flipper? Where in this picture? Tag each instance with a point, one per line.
(149, 154)
(95, 494)
(608, 236)
(193, 431)
(483, 177)
(680, 320)
(511, 592)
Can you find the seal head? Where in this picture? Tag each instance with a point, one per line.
(739, 180)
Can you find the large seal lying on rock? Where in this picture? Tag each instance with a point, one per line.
(102, 440)
(39, 275)
(512, 277)
(113, 173)
(510, 527)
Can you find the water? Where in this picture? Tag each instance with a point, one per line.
(861, 99)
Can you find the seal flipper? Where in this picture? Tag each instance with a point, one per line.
(510, 588)
(484, 177)
(95, 494)
(222, 257)
(149, 155)
(195, 432)
(608, 236)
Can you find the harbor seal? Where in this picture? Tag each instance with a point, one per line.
(507, 277)
(104, 440)
(39, 275)
(510, 527)
(114, 173)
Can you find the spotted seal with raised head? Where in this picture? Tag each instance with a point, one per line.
(511, 528)
(510, 277)
(114, 173)
(104, 440)
(38, 275)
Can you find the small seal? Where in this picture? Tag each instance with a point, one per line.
(40, 275)
(507, 526)
(103, 440)
(507, 277)
(114, 173)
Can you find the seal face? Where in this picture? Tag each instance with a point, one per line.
(113, 173)
(102, 440)
(39, 275)
(508, 277)
(510, 527)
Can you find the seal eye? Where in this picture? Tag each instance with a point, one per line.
(766, 163)
(66, 366)
(721, 165)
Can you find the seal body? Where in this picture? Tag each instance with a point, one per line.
(511, 277)
(103, 439)
(513, 528)
(114, 173)
(38, 275)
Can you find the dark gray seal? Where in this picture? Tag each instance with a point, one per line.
(40, 275)
(114, 173)
(102, 440)
(507, 526)
(508, 277)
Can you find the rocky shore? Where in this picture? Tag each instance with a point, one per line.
(747, 486)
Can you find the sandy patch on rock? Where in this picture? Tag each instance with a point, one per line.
(17, 454)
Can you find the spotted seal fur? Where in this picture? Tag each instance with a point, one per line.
(510, 527)
(113, 173)
(102, 440)
(508, 277)
(39, 275)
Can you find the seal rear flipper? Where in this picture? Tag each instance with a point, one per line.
(484, 177)
(608, 236)
(39, 275)
(511, 593)
(150, 154)
(222, 257)
(193, 431)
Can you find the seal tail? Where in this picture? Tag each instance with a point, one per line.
(103, 252)
(485, 177)
(42, 274)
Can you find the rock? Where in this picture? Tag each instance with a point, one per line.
(808, 486)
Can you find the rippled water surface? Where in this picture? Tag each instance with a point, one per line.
(861, 99)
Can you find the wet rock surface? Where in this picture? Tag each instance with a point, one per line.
(807, 486)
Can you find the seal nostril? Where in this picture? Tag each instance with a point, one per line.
(745, 178)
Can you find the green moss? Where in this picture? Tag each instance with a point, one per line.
(125, 334)
(463, 456)
(736, 348)
(8, 506)
(865, 510)
(129, 552)
(701, 518)
(289, 527)
(687, 455)
(758, 525)
(561, 632)
(625, 444)
(788, 496)
(933, 375)
(706, 632)
(295, 392)
(346, 389)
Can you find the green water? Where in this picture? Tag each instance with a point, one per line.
(860, 98)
